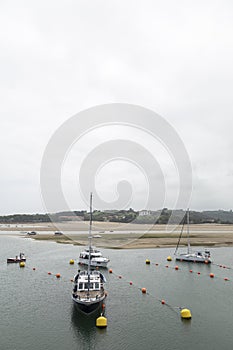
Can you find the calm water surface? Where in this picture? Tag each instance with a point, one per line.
(37, 311)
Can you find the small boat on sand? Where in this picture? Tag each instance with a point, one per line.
(19, 258)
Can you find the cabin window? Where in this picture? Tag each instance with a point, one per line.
(86, 285)
(80, 286)
(97, 285)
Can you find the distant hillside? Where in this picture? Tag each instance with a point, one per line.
(143, 217)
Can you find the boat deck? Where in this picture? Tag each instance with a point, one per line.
(92, 294)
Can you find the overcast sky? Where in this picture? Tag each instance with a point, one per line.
(61, 57)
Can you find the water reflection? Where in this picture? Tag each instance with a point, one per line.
(84, 328)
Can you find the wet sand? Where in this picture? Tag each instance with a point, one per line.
(130, 236)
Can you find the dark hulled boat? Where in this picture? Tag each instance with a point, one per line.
(88, 290)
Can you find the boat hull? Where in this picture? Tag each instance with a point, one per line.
(88, 307)
(15, 261)
(93, 263)
(194, 259)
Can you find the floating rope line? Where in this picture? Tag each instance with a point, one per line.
(162, 301)
(177, 267)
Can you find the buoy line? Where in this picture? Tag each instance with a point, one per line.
(177, 267)
(57, 275)
(184, 312)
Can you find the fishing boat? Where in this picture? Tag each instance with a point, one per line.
(189, 256)
(19, 258)
(88, 290)
(96, 257)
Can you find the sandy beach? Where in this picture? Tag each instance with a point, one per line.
(127, 236)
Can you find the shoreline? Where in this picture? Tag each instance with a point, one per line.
(126, 236)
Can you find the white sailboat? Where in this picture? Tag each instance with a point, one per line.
(198, 256)
(88, 291)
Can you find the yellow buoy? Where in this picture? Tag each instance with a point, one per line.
(71, 261)
(101, 322)
(169, 258)
(22, 264)
(147, 261)
(186, 314)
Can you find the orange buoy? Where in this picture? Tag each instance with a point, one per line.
(58, 275)
(49, 273)
(103, 306)
(211, 275)
(143, 290)
(110, 270)
(162, 301)
(71, 280)
(176, 267)
(206, 262)
(191, 271)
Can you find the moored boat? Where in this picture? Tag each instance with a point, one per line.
(17, 259)
(88, 290)
(96, 257)
(189, 256)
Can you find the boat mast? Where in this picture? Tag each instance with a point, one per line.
(89, 237)
(189, 249)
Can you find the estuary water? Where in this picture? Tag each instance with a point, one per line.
(37, 311)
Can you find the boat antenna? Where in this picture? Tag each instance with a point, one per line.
(89, 237)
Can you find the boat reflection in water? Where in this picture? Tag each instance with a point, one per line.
(84, 329)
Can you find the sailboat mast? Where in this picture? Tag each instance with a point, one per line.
(89, 237)
(189, 249)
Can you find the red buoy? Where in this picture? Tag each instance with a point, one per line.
(176, 267)
(130, 283)
(198, 273)
(166, 266)
(33, 268)
(191, 271)
(120, 276)
(162, 301)
(49, 273)
(226, 279)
